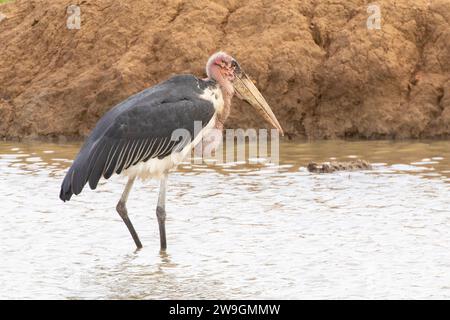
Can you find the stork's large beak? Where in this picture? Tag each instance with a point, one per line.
(246, 90)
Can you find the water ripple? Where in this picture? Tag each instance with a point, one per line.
(234, 231)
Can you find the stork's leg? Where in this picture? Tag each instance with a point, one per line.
(161, 212)
(122, 210)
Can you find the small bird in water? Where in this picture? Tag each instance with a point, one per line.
(135, 138)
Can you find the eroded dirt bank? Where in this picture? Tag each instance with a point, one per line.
(322, 70)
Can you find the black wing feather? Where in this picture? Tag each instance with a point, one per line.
(139, 129)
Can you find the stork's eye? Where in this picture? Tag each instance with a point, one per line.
(235, 66)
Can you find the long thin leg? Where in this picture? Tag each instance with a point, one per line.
(122, 210)
(161, 212)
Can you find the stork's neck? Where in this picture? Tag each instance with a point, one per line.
(224, 112)
(215, 73)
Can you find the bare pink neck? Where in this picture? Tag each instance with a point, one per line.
(222, 116)
(227, 92)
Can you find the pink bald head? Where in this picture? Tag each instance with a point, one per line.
(222, 68)
(225, 70)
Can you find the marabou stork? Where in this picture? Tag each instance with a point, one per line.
(135, 139)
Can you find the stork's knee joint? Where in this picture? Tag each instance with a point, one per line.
(160, 213)
(122, 209)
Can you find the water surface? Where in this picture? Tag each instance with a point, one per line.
(234, 231)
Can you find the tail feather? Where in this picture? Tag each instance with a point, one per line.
(77, 176)
(88, 166)
(66, 187)
(73, 182)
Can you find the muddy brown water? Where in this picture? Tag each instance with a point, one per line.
(234, 231)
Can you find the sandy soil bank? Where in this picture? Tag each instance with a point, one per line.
(323, 71)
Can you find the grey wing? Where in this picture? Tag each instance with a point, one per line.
(136, 134)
